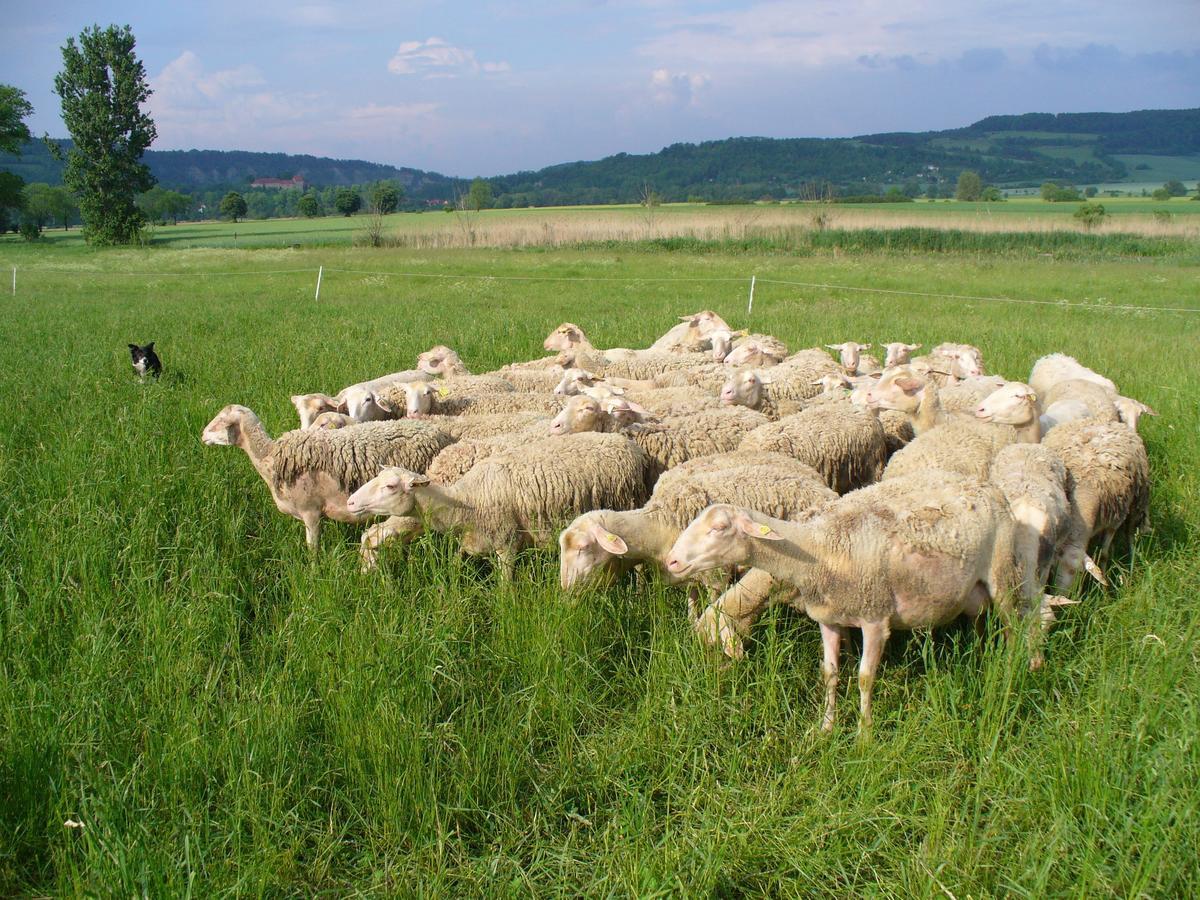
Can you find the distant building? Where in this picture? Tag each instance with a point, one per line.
(296, 181)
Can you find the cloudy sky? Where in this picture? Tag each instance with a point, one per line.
(488, 87)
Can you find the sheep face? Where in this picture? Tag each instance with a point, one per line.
(225, 430)
(743, 389)
(720, 536)
(1013, 404)
(565, 337)
(418, 399)
(899, 353)
(898, 389)
(309, 406)
(751, 353)
(586, 549)
(387, 494)
(832, 383)
(849, 353)
(968, 362)
(437, 360)
(722, 344)
(1130, 410)
(369, 407)
(581, 413)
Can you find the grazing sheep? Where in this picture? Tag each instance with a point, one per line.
(391, 529)
(673, 441)
(1033, 479)
(593, 544)
(309, 406)
(964, 447)
(517, 497)
(908, 553)
(310, 473)
(1108, 483)
(1050, 370)
(898, 354)
(1131, 411)
(845, 444)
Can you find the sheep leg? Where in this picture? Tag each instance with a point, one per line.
(312, 529)
(507, 559)
(394, 527)
(831, 641)
(875, 635)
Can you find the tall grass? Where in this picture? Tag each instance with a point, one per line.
(226, 714)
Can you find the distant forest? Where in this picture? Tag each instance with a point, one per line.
(1009, 151)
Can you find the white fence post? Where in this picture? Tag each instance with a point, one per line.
(320, 272)
(750, 307)
(14, 281)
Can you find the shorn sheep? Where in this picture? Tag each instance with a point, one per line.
(311, 473)
(845, 444)
(910, 553)
(518, 497)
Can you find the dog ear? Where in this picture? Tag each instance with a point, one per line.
(134, 347)
(150, 346)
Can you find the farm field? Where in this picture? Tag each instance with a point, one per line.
(227, 714)
(565, 226)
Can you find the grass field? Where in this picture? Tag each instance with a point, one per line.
(599, 225)
(226, 715)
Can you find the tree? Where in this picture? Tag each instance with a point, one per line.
(309, 206)
(1090, 215)
(63, 206)
(480, 195)
(233, 206)
(386, 197)
(991, 194)
(1175, 188)
(1049, 191)
(12, 196)
(347, 201)
(39, 204)
(175, 204)
(970, 186)
(103, 86)
(1090, 191)
(1160, 194)
(13, 110)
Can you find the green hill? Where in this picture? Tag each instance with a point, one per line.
(1020, 150)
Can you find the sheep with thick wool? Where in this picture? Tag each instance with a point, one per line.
(842, 442)
(311, 473)
(1108, 484)
(908, 553)
(518, 497)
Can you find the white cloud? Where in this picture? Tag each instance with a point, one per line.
(677, 89)
(434, 58)
(402, 112)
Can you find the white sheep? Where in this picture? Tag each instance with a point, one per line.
(909, 553)
(310, 473)
(1033, 479)
(518, 497)
(1108, 483)
(1051, 369)
(309, 406)
(845, 444)
(852, 358)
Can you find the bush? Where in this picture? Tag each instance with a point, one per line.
(1161, 194)
(1090, 215)
(30, 230)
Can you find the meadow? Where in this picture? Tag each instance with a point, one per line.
(221, 713)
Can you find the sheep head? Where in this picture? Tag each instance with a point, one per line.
(849, 353)
(743, 389)
(720, 536)
(390, 493)
(899, 353)
(225, 430)
(309, 406)
(586, 548)
(418, 398)
(566, 336)
(1014, 404)
(901, 388)
(573, 382)
(582, 413)
(1130, 410)
(439, 360)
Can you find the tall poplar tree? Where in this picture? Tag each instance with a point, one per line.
(103, 86)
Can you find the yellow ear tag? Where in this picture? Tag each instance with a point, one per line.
(764, 529)
(441, 391)
(611, 536)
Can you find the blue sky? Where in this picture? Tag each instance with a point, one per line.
(489, 88)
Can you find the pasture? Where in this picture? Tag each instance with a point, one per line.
(225, 714)
(787, 225)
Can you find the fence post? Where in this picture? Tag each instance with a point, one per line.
(320, 272)
(14, 281)
(750, 307)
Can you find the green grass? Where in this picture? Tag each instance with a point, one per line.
(1162, 168)
(229, 716)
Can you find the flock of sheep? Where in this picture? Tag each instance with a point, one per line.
(873, 497)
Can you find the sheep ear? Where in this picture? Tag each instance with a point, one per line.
(1148, 411)
(865, 346)
(833, 346)
(741, 332)
(909, 385)
(611, 543)
(765, 378)
(915, 346)
(748, 526)
(410, 480)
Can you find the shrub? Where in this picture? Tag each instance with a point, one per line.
(1090, 215)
